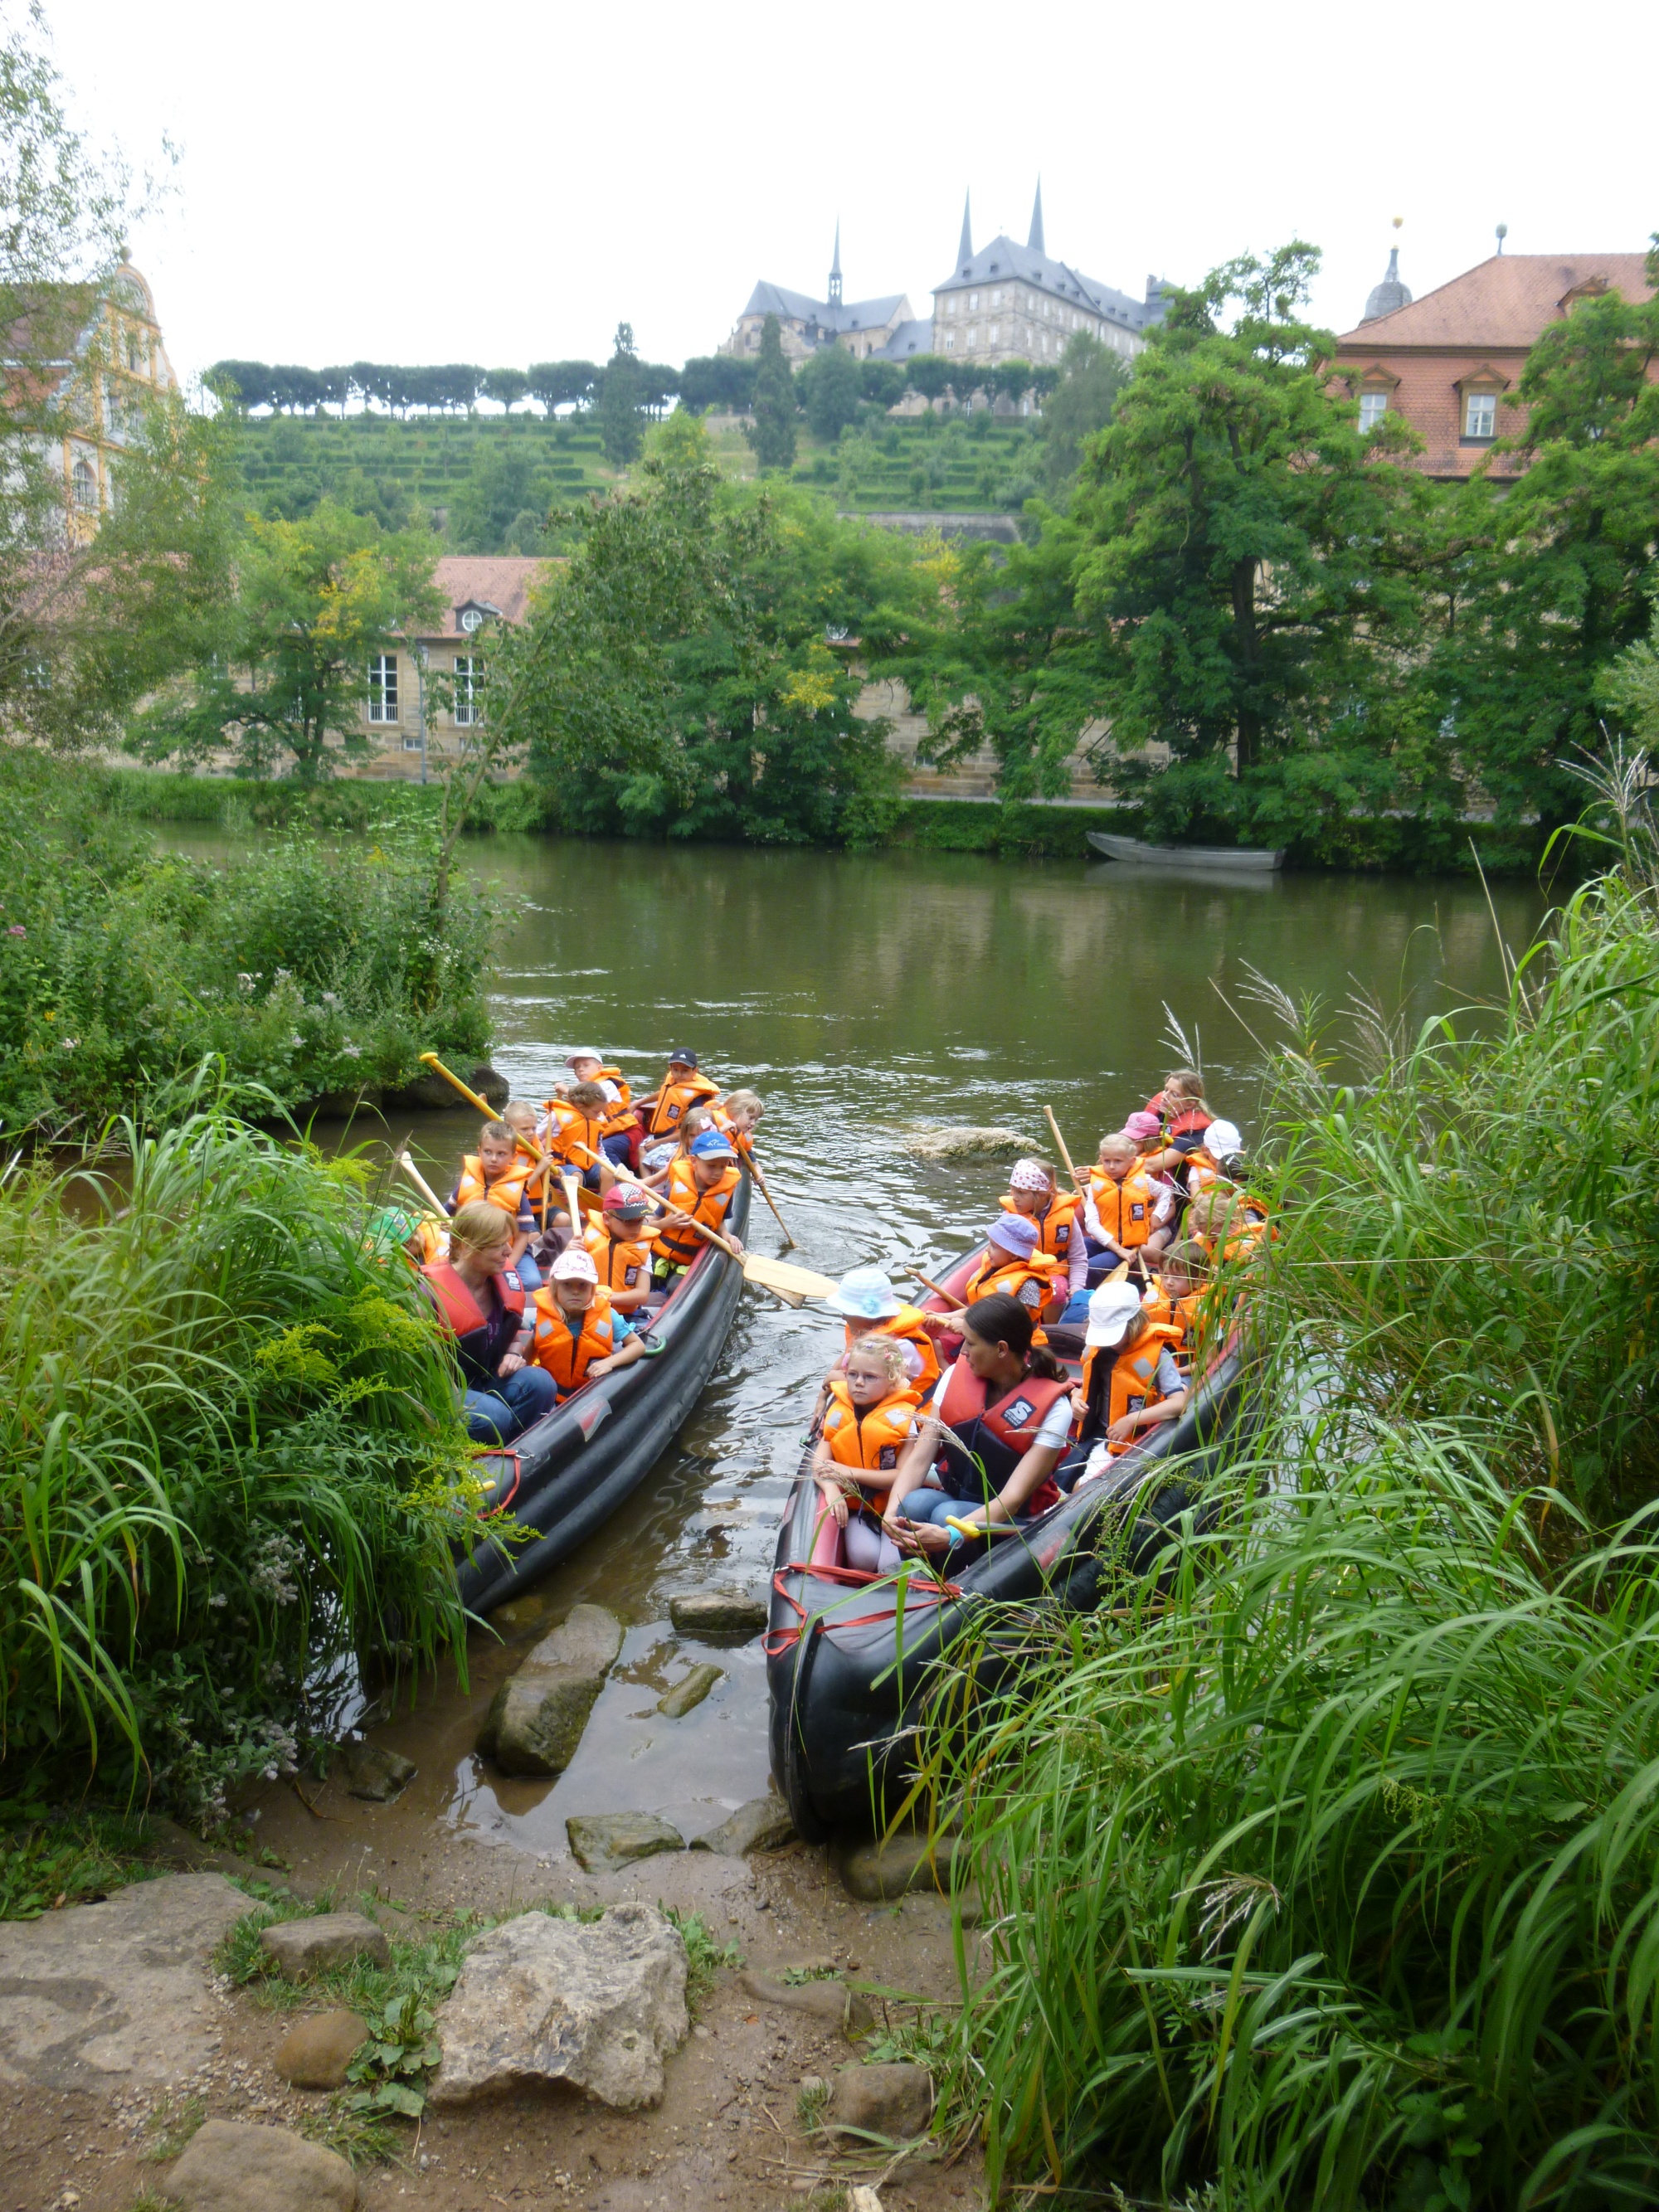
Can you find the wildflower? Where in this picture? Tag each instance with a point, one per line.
(283, 976)
(70, 1043)
(17, 930)
(331, 999)
(218, 1598)
(296, 1043)
(243, 980)
(352, 1051)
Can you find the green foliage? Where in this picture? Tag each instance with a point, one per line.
(1630, 687)
(253, 1457)
(48, 1861)
(676, 678)
(1092, 377)
(830, 388)
(1320, 1869)
(509, 479)
(301, 969)
(620, 412)
(289, 672)
(704, 1956)
(774, 405)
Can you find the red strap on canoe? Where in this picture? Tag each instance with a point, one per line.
(502, 1451)
(779, 1640)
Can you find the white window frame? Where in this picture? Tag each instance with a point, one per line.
(1486, 404)
(466, 691)
(83, 484)
(1373, 406)
(950, 342)
(973, 301)
(383, 691)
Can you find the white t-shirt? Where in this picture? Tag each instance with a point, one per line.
(1053, 1430)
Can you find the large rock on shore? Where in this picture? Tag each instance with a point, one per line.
(538, 1716)
(717, 1612)
(316, 2051)
(99, 1996)
(762, 1825)
(605, 1842)
(593, 2005)
(433, 1094)
(878, 1872)
(231, 2165)
(302, 1948)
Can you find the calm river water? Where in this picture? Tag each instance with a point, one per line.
(864, 998)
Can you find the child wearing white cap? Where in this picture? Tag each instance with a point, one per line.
(579, 1335)
(1130, 1380)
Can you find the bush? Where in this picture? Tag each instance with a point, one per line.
(300, 970)
(228, 1447)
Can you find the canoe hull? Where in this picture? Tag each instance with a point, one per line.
(1203, 860)
(588, 1456)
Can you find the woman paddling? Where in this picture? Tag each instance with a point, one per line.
(995, 1432)
(482, 1308)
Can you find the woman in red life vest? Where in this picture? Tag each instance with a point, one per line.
(868, 1422)
(991, 1438)
(1034, 1191)
(577, 1336)
(481, 1308)
(1130, 1379)
(870, 1305)
(620, 1246)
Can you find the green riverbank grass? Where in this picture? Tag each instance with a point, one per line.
(1320, 1871)
(227, 1445)
(297, 971)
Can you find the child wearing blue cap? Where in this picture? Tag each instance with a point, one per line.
(700, 1183)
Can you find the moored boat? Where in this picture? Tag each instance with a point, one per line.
(851, 1657)
(1207, 859)
(568, 1474)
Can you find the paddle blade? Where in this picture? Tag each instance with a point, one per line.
(780, 1275)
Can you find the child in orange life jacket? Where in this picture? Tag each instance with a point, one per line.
(871, 1307)
(1034, 1190)
(700, 1183)
(1174, 1297)
(696, 1120)
(1123, 1206)
(499, 1173)
(574, 1132)
(587, 1066)
(739, 1115)
(869, 1420)
(579, 1335)
(620, 1246)
(1224, 1224)
(1016, 1266)
(681, 1088)
(1130, 1379)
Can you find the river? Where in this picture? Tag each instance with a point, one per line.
(864, 998)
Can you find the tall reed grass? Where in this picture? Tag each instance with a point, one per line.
(227, 1441)
(1325, 1870)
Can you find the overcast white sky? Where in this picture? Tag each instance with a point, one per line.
(503, 183)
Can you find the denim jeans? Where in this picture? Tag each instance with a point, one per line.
(529, 1274)
(516, 1402)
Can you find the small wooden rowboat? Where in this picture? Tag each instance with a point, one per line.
(569, 1473)
(852, 1658)
(1207, 859)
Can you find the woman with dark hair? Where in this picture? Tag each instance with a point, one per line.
(990, 1439)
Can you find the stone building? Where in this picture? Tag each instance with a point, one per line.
(882, 328)
(1010, 303)
(402, 717)
(1447, 362)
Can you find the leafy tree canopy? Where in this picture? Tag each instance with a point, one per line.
(774, 405)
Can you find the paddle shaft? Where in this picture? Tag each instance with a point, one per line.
(1064, 1154)
(755, 1170)
(938, 1289)
(421, 1184)
(531, 1151)
(670, 1213)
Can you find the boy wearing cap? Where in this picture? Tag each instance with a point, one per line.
(1015, 1266)
(620, 1250)
(578, 1335)
(871, 1306)
(660, 1114)
(700, 1181)
(1130, 1379)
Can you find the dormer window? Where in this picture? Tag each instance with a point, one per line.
(1480, 414)
(471, 618)
(1373, 406)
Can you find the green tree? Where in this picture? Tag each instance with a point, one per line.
(503, 481)
(772, 433)
(507, 385)
(719, 380)
(1556, 568)
(881, 383)
(1091, 380)
(563, 383)
(928, 374)
(1630, 688)
(828, 387)
(620, 406)
(315, 602)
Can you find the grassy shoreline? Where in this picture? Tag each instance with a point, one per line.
(1013, 831)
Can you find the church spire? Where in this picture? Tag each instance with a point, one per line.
(965, 251)
(835, 269)
(1035, 242)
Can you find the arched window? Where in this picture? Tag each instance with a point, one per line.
(84, 482)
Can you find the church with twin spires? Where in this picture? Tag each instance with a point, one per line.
(1005, 302)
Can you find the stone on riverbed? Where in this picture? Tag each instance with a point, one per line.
(878, 1872)
(537, 1719)
(304, 1947)
(230, 2165)
(825, 1997)
(691, 1692)
(962, 1144)
(594, 2005)
(316, 2051)
(374, 1774)
(894, 2101)
(717, 1612)
(102, 1995)
(762, 1825)
(604, 1842)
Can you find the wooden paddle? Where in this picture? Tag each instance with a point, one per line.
(422, 1186)
(755, 1170)
(1060, 1143)
(956, 1304)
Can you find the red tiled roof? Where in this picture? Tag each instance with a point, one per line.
(501, 580)
(1504, 302)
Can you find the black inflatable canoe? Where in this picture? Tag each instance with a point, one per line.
(572, 1471)
(849, 1660)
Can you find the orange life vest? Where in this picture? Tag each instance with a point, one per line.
(567, 1353)
(1133, 1381)
(906, 1325)
(870, 1441)
(573, 1138)
(743, 1140)
(1002, 1272)
(1178, 1314)
(432, 1237)
(618, 1113)
(1056, 1222)
(676, 1243)
(1125, 1208)
(999, 1433)
(672, 1101)
(507, 1191)
(622, 1267)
